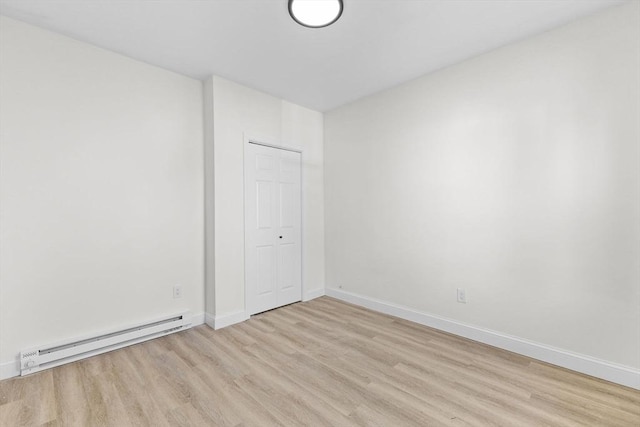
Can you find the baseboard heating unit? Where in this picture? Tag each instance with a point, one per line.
(44, 357)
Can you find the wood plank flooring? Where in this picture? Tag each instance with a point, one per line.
(321, 363)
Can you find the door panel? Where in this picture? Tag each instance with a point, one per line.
(286, 267)
(265, 162)
(273, 250)
(264, 198)
(265, 273)
(289, 283)
(287, 215)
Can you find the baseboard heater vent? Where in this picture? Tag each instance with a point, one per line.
(37, 359)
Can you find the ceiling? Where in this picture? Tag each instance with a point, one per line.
(375, 45)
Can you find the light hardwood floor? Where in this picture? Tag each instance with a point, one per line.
(321, 363)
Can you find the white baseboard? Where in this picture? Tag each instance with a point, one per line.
(197, 319)
(309, 295)
(210, 320)
(9, 369)
(619, 374)
(229, 319)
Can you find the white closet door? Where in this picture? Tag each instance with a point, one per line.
(273, 261)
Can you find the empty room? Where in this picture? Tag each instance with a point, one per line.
(319, 213)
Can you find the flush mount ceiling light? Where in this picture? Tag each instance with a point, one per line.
(315, 13)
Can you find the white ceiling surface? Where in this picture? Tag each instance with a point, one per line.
(375, 45)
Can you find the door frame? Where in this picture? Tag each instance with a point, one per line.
(249, 138)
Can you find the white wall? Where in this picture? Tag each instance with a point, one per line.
(514, 175)
(101, 190)
(240, 111)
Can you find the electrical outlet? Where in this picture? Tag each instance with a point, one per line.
(462, 295)
(177, 291)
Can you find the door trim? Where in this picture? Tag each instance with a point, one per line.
(250, 138)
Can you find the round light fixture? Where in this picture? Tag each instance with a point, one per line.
(315, 13)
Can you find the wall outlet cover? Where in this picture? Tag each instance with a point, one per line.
(462, 295)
